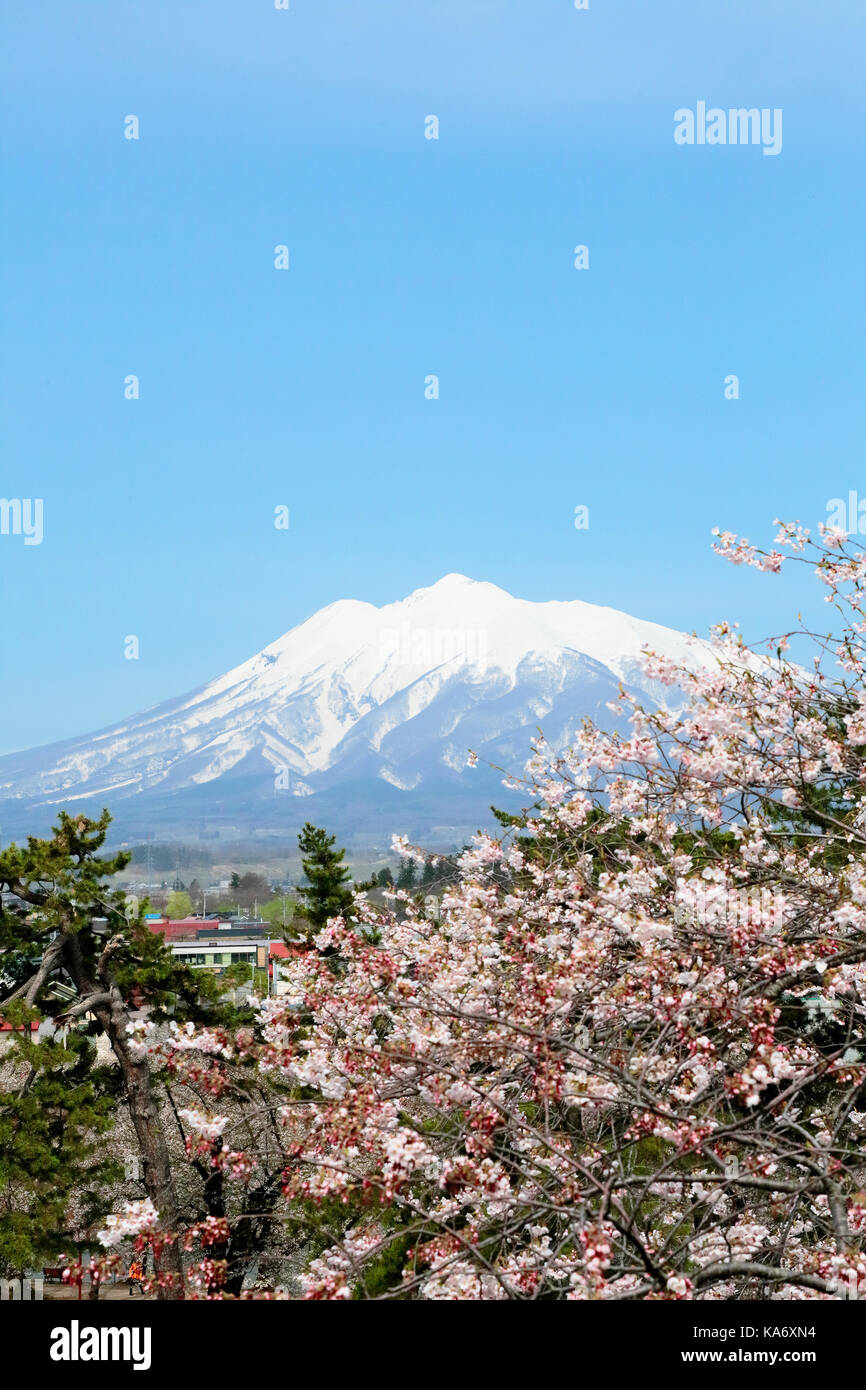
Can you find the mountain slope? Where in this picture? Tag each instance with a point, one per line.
(383, 701)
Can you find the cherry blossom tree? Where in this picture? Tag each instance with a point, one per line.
(626, 1060)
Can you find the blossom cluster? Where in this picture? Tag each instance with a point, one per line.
(627, 1058)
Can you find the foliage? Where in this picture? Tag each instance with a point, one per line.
(55, 1106)
(325, 894)
(179, 905)
(406, 874)
(73, 955)
(627, 1059)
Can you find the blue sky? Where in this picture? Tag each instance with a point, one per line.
(409, 257)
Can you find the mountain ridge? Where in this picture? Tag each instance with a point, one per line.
(394, 696)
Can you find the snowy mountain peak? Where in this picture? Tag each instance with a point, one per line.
(390, 697)
(453, 581)
(453, 584)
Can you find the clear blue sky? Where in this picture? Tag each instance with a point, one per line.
(409, 257)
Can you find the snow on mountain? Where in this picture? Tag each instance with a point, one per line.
(367, 711)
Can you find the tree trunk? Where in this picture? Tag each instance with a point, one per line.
(158, 1178)
(143, 1109)
(245, 1247)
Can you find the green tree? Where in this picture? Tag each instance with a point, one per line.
(406, 876)
(179, 905)
(325, 893)
(55, 1106)
(70, 952)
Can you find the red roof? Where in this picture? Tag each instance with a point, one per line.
(186, 926)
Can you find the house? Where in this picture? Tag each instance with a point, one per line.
(211, 952)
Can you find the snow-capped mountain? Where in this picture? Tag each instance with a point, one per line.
(360, 718)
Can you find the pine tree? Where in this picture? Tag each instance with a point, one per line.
(325, 894)
(406, 876)
(54, 1109)
(70, 952)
